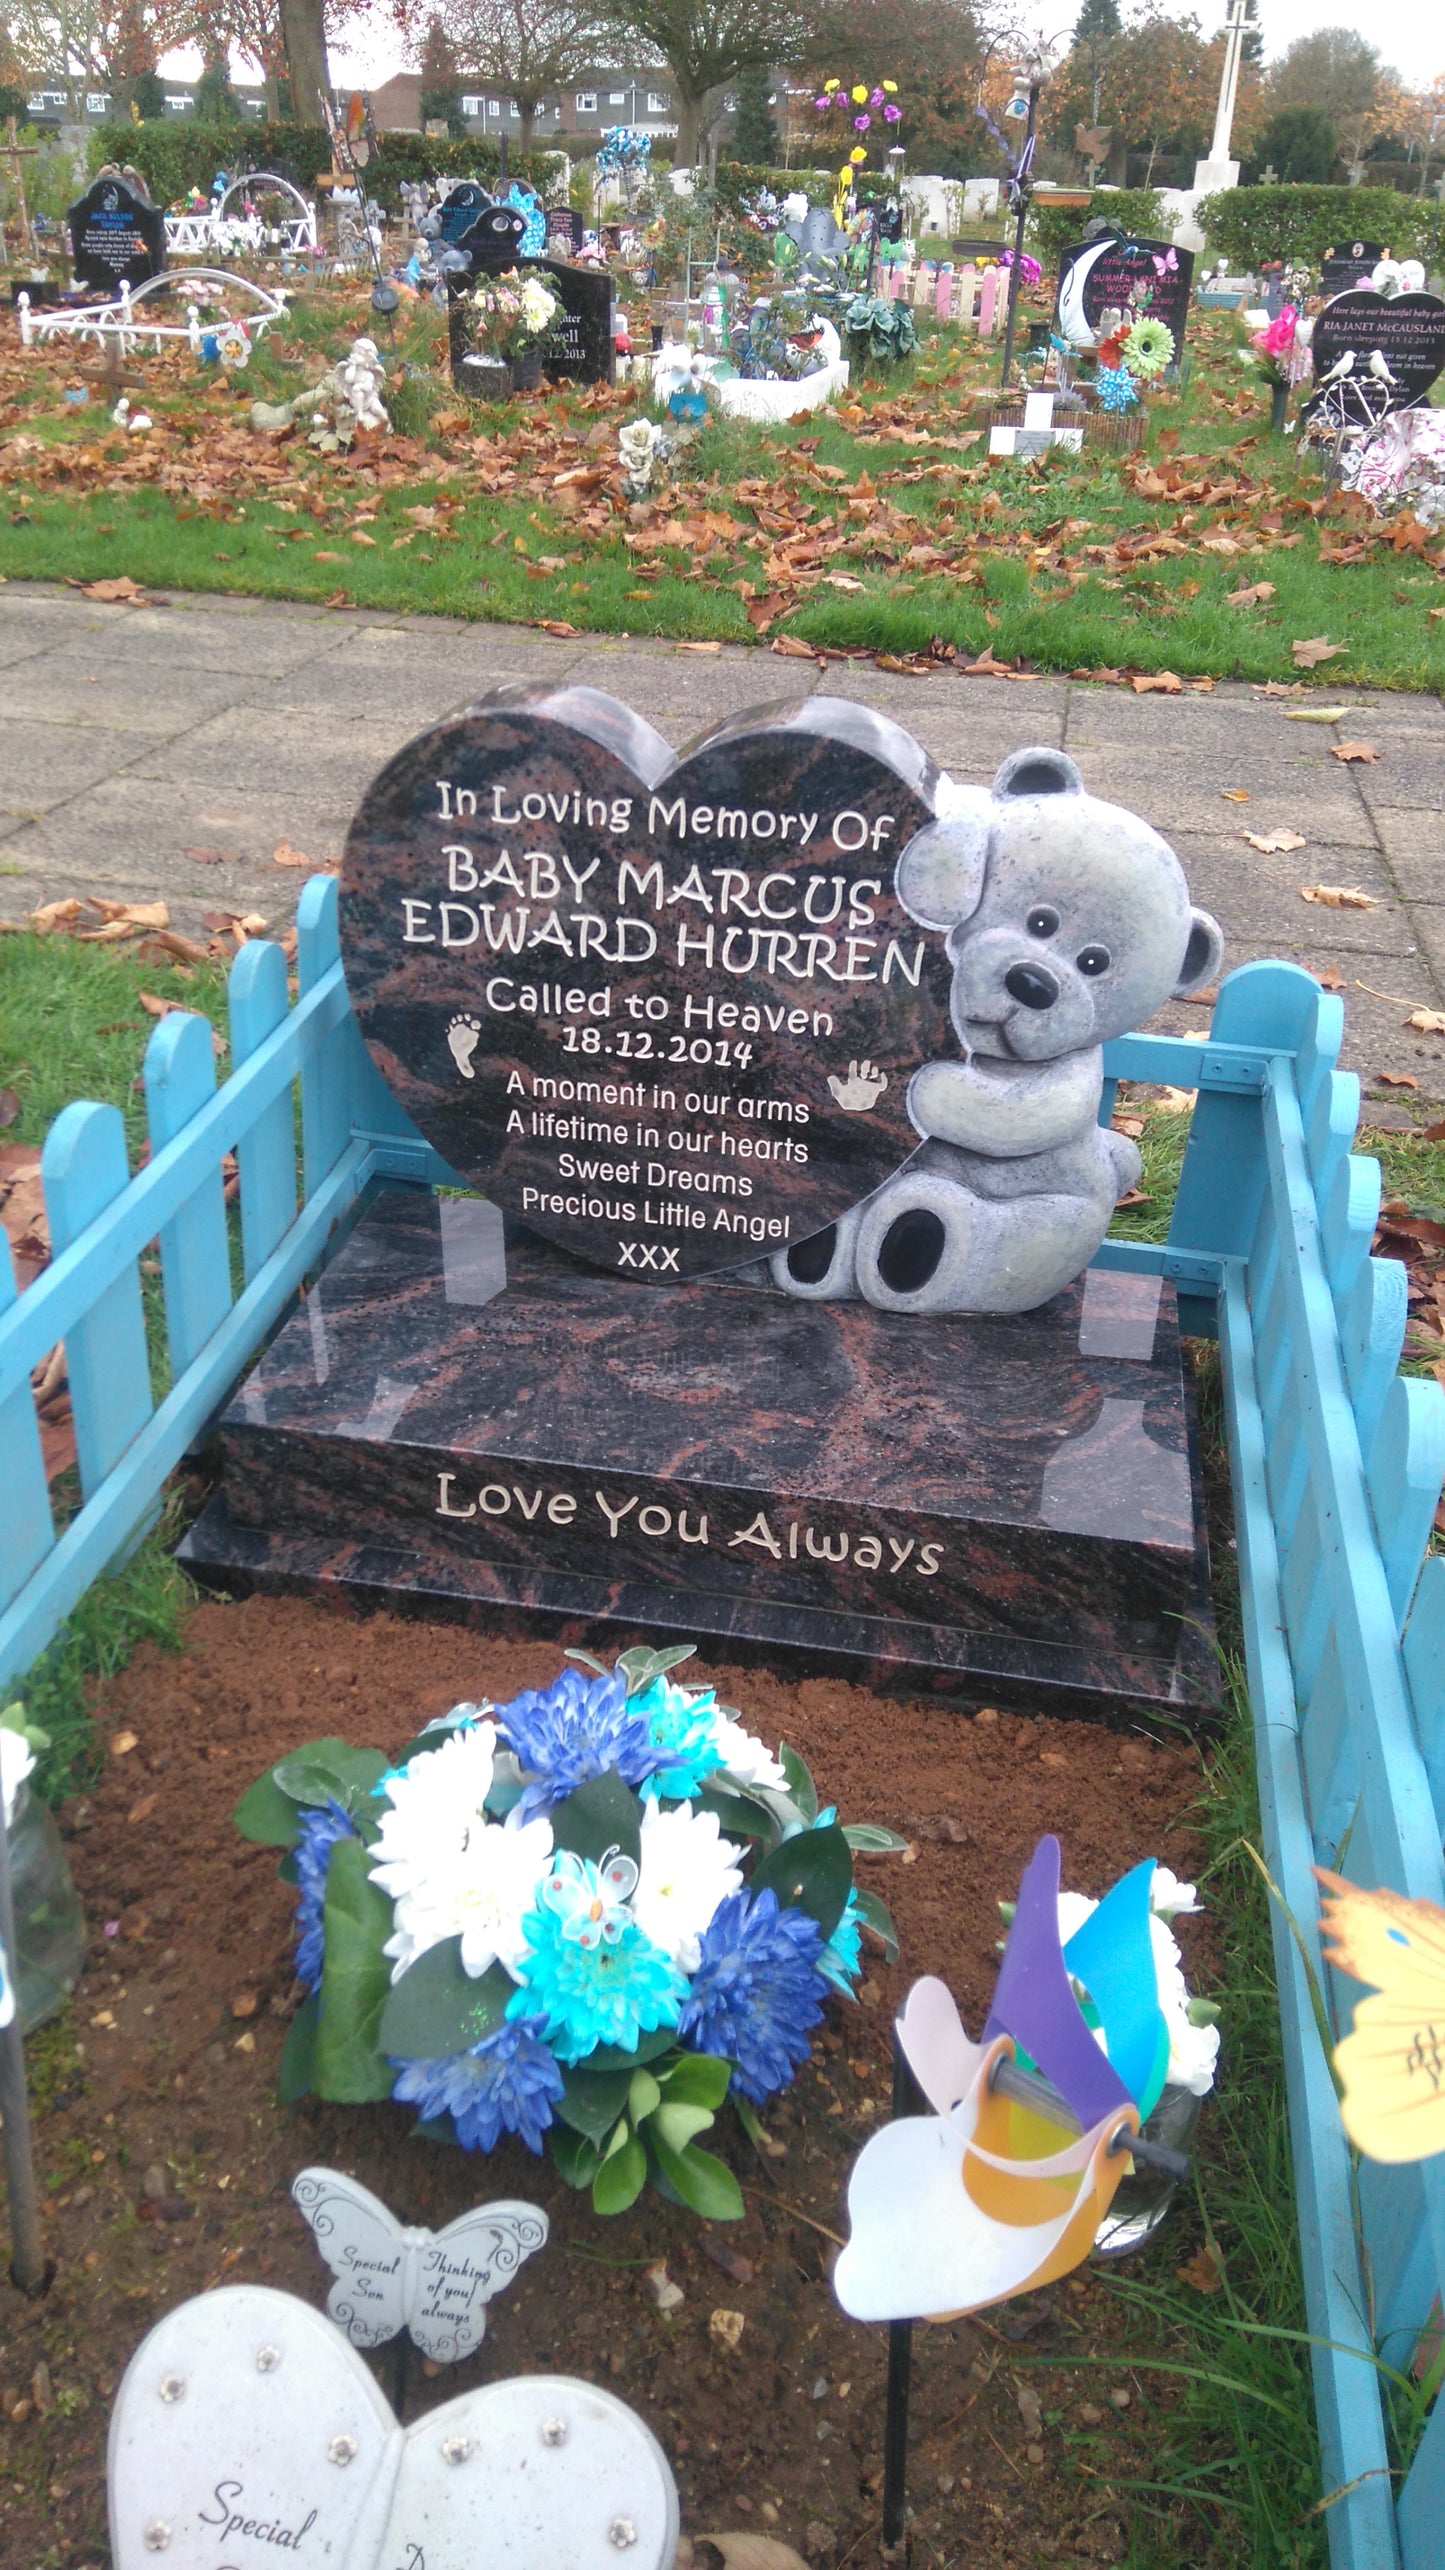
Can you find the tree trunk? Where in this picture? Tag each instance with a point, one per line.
(689, 108)
(304, 36)
(526, 119)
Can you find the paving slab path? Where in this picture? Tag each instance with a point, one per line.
(163, 752)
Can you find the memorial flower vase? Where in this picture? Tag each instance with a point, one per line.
(1278, 405)
(1143, 2198)
(527, 370)
(49, 1928)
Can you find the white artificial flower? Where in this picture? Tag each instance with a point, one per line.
(17, 1759)
(482, 1894)
(687, 1868)
(1171, 1899)
(1193, 2050)
(1074, 1908)
(746, 1758)
(432, 1804)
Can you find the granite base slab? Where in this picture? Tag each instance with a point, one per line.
(463, 1423)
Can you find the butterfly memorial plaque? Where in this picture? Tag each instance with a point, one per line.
(391, 2276)
(246, 2429)
(761, 1316)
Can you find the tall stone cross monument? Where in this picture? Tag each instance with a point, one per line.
(1219, 171)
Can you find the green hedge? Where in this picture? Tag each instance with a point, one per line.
(1055, 228)
(1248, 224)
(740, 180)
(178, 155)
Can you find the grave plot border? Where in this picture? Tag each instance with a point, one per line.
(1337, 1465)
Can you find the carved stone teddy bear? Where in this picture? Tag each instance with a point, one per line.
(1068, 921)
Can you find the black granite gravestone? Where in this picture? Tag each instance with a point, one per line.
(665, 1011)
(579, 344)
(1133, 277)
(493, 239)
(1407, 329)
(1344, 267)
(116, 235)
(460, 210)
(566, 231)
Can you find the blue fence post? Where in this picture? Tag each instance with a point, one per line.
(266, 1152)
(83, 1169)
(326, 1076)
(180, 1075)
(26, 1530)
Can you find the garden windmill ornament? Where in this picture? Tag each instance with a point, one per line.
(1004, 2186)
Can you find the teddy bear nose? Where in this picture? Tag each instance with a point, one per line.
(1032, 985)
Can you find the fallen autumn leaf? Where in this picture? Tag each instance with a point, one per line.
(1308, 655)
(1357, 753)
(1273, 843)
(1337, 896)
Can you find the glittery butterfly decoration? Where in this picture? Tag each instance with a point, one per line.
(977, 2202)
(591, 1900)
(393, 2276)
(1168, 266)
(1392, 2062)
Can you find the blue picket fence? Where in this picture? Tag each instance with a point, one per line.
(1337, 1467)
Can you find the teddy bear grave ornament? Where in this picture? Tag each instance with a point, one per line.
(795, 993)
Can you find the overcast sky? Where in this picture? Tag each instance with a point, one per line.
(1410, 35)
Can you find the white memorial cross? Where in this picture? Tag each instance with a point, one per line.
(245, 2429)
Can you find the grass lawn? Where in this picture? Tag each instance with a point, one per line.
(878, 527)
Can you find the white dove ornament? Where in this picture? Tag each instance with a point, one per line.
(392, 2276)
(246, 2430)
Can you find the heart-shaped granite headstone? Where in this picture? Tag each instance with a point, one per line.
(1409, 329)
(666, 1011)
(495, 240)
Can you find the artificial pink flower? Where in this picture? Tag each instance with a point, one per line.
(861, 124)
(892, 115)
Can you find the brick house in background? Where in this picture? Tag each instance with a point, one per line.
(588, 106)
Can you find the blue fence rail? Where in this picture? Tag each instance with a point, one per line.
(1337, 1466)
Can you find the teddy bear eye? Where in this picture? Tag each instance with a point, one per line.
(1042, 922)
(1093, 959)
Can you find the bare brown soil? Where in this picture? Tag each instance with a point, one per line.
(167, 2163)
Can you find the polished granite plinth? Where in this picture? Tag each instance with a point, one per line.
(477, 1426)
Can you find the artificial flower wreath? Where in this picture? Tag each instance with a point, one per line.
(589, 1914)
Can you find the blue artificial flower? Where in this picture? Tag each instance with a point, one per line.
(756, 1992)
(686, 1725)
(841, 1956)
(576, 1728)
(321, 1826)
(1115, 387)
(610, 1993)
(508, 2083)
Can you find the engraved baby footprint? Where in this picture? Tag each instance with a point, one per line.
(462, 1039)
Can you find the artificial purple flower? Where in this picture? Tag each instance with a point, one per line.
(892, 115)
(862, 123)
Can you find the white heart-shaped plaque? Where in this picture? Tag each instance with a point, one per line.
(246, 2431)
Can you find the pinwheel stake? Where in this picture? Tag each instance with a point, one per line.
(900, 2369)
(27, 2253)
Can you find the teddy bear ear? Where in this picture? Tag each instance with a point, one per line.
(940, 872)
(1202, 956)
(1039, 771)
